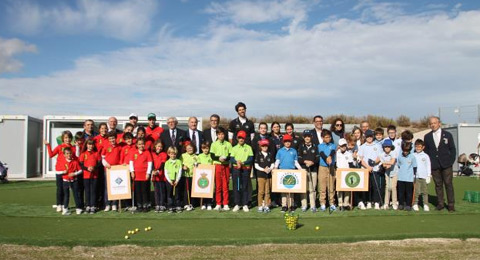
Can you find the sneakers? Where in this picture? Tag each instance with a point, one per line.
(226, 207)
(394, 206)
(236, 208)
(313, 209)
(245, 208)
(323, 208)
(203, 207)
(170, 210)
(157, 209)
(162, 209)
(209, 207)
(284, 209)
(408, 208)
(218, 207)
(107, 208)
(189, 207)
(333, 208)
(426, 208)
(260, 209)
(361, 206)
(304, 209)
(59, 208)
(65, 212)
(114, 208)
(178, 209)
(266, 209)
(369, 205)
(415, 207)
(377, 206)
(385, 207)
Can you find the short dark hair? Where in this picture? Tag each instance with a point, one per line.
(216, 116)
(112, 134)
(391, 127)
(239, 105)
(78, 135)
(141, 139)
(325, 132)
(406, 146)
(67, 133)
(221, 130)
(407, 135)
(67, 149)
(379, 130)
(127, 136)
(128, 125)
(317, 116)
(419, 142)
(205, 144)
(263, 123)
(289, 124)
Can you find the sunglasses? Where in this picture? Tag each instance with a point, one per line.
(339, 125)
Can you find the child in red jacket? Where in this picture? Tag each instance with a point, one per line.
(90, 163)
(128, 147)
(140, 168)
(69, 170)
(158, 176)
(110, 157)
(67, 139)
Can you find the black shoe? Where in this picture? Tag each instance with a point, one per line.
(400, 207)
(347, 208)
(292, 209)
(451, 208)
(408, 208)
(440, 207)
(284, 209)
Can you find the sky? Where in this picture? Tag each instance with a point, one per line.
(186, 57)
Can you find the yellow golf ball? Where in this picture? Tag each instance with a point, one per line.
(317, 228)
(126, 237)
(146, 229)
(136, 230)
(149, 228)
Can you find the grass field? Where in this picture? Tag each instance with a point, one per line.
(27, 218)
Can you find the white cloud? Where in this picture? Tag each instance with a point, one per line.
(9, 48)
(252, 12)
(125, 20)
(411, 64)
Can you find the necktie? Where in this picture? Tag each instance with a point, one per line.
(194, 138)
(173, 137)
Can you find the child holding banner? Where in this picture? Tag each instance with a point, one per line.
(69, 170)
(206, 158)
(90, 163)
(287, 158)
(189, 160)
(110, 157)
(407, 168)
(173, 174)
(67, 139)
(344, 158)
(127, 147)
(140, 170)
(326, 171)
(264, 164)
(241, 158)
(158, 176)
(220, 151)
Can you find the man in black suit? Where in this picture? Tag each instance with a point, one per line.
(112, 125)
(441, 149)
(173, 136)
(316, 132)
(210, 134)
(195, 136)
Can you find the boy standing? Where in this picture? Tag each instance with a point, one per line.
(423, 175)
(345, 160)
(241, 158)
(369, 153)
(220, 152)
(326, 172)
(308, 157)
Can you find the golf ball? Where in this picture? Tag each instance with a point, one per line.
(136, 230)
(126, 237)
(317, 228)
(149, 228)
(146, 229)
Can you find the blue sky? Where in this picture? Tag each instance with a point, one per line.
(99, 57)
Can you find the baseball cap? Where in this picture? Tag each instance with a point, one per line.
(151, 115)
(241, 134)
(133, 115)
(287, 137)
(342, 142)
(307, 133)
(369, 132)
(388, 142)
(263, 142)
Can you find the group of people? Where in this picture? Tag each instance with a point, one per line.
(399, 167)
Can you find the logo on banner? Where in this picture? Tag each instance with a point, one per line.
(289, 180)
(203, 181)
(118, 181)
(352, 179)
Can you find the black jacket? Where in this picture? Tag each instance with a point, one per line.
(443, 156)
(180, 138)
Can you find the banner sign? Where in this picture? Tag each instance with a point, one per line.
(118, 183)
(203, 181)
(289, 181)
(352, 180)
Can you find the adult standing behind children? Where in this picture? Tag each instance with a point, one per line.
(317, 130)
(133, 119)
(338, 130)
(440, 147)
(88, 129)
(153, 131)
(173, 137)
(112, 125)
(195, 135)
(241, 123)
(210, 134)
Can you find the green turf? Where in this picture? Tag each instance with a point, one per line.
(26, 217)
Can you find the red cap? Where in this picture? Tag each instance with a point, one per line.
(287, 137)
(263, 142)
(186, 143)
(241, 134)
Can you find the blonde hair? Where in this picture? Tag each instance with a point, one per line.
(172, 149)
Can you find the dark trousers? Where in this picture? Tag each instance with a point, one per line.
(173, 198)
(81, 190)
(443, 177)
(100, 187)
(90, 192)
(240, 178)
(160, 193)
(60, 195)
(186, 187)
(362, 196)
(141, 196)
(377, 180)
(405, 193)
(67, 185)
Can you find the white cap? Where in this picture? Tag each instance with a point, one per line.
(342, 142)
(133, 115)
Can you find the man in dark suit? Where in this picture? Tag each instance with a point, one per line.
(318, 123)
(440, 147)
(210, 134)
(195, 136)
(173, 136)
